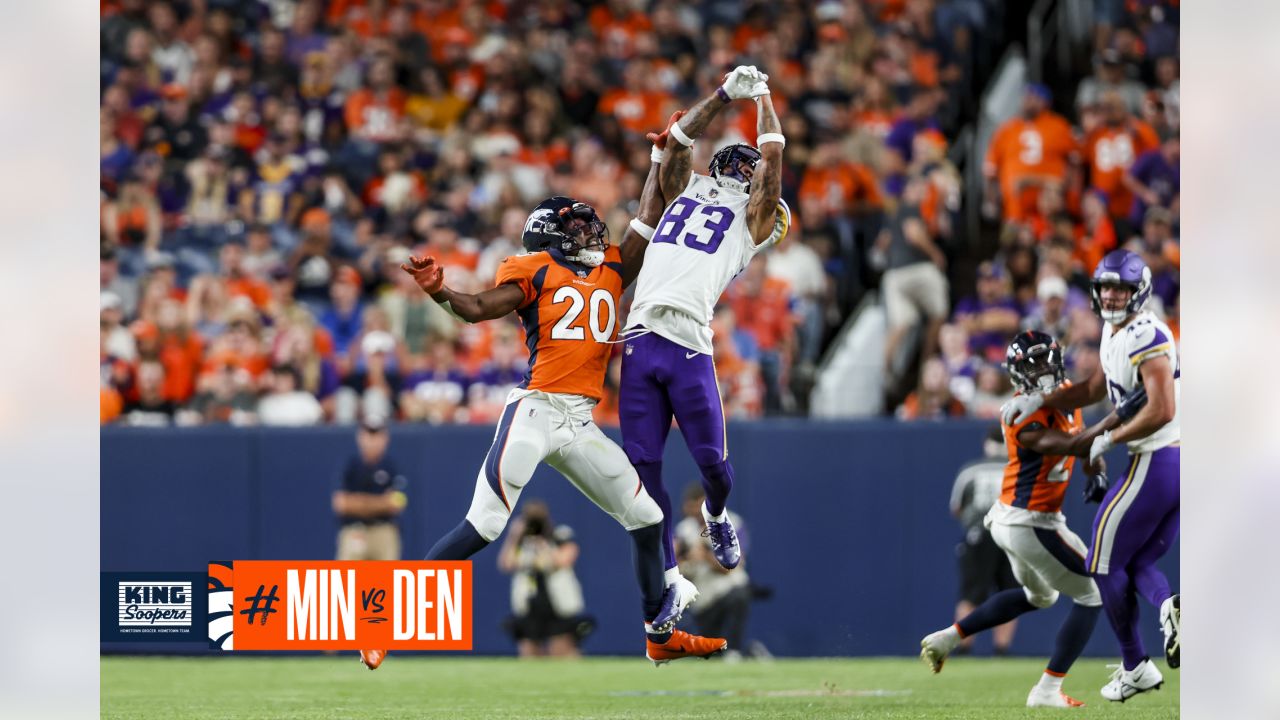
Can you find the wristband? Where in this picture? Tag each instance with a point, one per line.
(723, 95)
(655, 155)
(771, 138)
(642, 230)
(678, 133)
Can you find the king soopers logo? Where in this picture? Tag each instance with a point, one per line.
(155, 605)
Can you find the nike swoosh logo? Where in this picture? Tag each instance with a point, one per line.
(690, 356)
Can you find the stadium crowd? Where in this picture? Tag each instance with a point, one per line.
(266, 165)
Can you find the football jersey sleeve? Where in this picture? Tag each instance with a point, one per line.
(519, 270)
(1147, 340)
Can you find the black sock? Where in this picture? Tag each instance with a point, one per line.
(997, 610)
(648, 556)
(459, 544)
(1073, 636)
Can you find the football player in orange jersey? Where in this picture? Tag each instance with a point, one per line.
(566, 291)
(1028, 524)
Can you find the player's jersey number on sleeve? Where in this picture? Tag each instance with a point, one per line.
(706, 225)
(565, 328)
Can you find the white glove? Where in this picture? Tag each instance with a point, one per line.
(1018, 408)
(1100, 446)
(745, 81)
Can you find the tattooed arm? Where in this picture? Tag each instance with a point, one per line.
(766, 183)
(677, 159)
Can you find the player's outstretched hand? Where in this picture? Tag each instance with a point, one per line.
(425, 271)
(745, 81)
(1020, 407)
(660, 139)
(1130, 404)
(1096, 483)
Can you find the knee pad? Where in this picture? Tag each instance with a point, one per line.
(1041, 601)
(488, 522)
(644, 512)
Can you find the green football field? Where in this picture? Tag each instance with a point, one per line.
(483, 688)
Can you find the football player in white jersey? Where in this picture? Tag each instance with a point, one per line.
(712, 227)
(1137, 522)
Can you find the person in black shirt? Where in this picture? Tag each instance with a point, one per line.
(370, 500)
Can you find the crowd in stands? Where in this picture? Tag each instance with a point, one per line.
(1064, 192)
(267, 164)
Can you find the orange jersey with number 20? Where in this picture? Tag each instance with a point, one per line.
(570, 313)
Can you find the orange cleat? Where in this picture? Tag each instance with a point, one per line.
(683, 645)
(372, 658)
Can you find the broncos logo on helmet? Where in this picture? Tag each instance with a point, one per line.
(569, 226)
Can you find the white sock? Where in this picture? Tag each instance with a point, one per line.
(1051, 682)
(671, 575)
(708, 517)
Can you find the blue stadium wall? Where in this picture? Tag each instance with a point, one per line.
(848, 523)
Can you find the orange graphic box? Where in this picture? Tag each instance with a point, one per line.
(327, 605)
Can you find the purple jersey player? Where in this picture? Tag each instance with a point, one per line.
(710, 231)
(1137, 522)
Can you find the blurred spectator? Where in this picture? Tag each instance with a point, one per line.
(796, 264)
(932, 399)
(1099, 236)
(372, 496)
(345, 317)
(914, 285)
(286, 403)
(116, 340)
(1027, 153)
(990, 392)
(437, 392)
(991, 316)
(260, 258)
(737, 364)
(762, 307)
(110, 281)
(1111, 149)
(1110, 77)
(151, 408)
(1160, 250)
(961, 366)
(1155, 180)
(1050, 315)
(547, 607)
(724, 597)
(133, 218)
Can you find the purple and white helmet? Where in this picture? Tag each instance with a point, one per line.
(1121, 267)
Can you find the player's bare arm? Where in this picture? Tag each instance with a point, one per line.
(652, 202)
(488, 305)
(1157, 379)
(766, 186)
(1077, 395)
(1051, 441)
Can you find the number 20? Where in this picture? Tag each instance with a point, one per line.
(564, 330)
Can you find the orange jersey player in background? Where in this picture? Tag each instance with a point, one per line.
(1028, 525)
(566, 290)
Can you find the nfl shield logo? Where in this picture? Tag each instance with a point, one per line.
(582, 273)
(713, 192)
(627, 351)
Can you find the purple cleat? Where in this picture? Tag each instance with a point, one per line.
(669, 613)
(724, 540)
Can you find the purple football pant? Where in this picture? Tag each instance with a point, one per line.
(661, 380)
(1136, 525)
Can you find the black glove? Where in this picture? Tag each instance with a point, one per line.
(1130, 404)
(1095, 487)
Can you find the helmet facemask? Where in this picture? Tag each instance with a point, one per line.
(1036, 368)
(733, 167)
(586, 235)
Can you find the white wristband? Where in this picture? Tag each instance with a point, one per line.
(678, 133)
(655, 155)
(770, 138)
(642, 230)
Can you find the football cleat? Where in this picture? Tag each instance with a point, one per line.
(372, 658)
(1171, 623)
(724, 541)
(669, 612)
(1044, 697)
(1127, 683)
(935, 648)
(683, 645)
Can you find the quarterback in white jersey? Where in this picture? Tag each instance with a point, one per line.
(712, 227)
(1137, 521)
